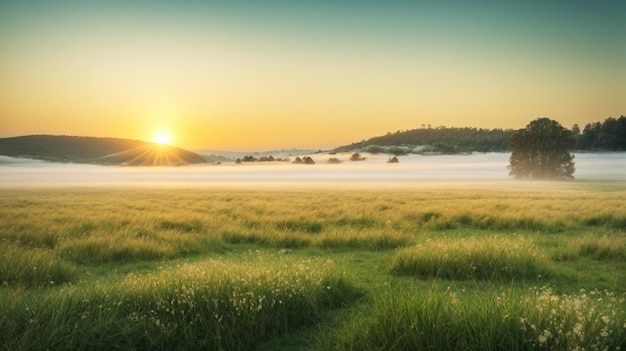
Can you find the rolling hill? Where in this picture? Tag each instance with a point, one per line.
(103, 151)
(609, 135)
(438, 140)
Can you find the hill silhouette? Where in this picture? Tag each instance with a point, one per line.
(103, 151)
(437, 140)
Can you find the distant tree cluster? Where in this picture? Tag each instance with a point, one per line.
(356, 157)
(262, 159)
(609, 135)
(306, 160)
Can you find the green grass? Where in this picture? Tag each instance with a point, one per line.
(233, 304)
(604, 247)
(495, 258)
(439, 267)
(33, 267)
(495, 319)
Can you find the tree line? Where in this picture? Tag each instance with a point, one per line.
(542, 149)
(609, 135)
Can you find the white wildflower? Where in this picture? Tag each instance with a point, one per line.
(542, 339)
(547, 334)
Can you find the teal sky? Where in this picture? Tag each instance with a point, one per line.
(282, 74)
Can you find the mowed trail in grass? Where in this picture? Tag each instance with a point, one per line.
(534, 265)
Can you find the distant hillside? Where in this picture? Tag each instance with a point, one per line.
(609, 135)
(436, 140)
(104, 151)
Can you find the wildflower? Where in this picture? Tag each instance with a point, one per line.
(547, 334)
(578, 328)
(542, 339)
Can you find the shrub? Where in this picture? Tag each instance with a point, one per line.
(333, 160)
(356, 157)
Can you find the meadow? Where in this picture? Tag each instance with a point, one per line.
(500, 266)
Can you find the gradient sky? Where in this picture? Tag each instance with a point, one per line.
(259, 75)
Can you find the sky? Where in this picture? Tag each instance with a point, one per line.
(266, 75)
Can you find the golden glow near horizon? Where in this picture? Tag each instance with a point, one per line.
(162, 138)
(313, 75)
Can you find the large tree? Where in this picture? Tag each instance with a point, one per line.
(541, 151)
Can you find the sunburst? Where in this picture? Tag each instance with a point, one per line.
(162, 138)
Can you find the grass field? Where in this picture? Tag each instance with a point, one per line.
(507, 266)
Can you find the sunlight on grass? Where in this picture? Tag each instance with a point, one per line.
(210, 268)
(494, 258)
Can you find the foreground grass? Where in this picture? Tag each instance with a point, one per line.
(509, 319)
(489, 267)
(213, 305)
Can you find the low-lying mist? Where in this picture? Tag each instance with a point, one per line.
(372, 171)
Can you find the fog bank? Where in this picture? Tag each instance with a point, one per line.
(374, 170)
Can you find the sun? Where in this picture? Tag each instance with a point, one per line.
(162, 138)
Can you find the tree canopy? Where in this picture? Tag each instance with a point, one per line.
(541, 151)
(609, 135)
